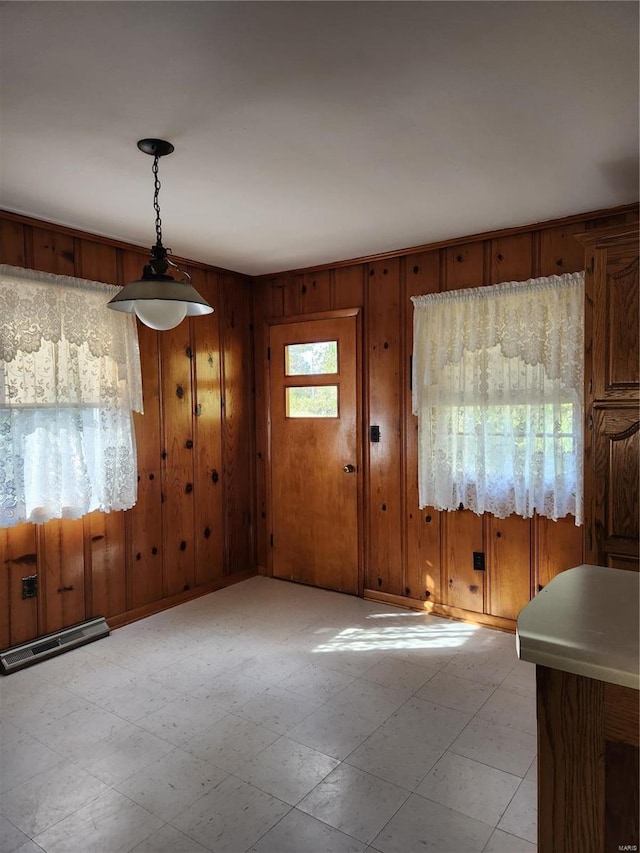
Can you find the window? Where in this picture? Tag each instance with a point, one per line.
(497, 388)
(69, 380)
(312, 401)
(311, 359)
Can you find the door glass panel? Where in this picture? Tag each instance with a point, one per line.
(311, 359)
(312, 401)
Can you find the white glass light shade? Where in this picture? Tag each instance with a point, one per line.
(160, 314)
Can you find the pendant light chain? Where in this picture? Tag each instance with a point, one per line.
(156, 203)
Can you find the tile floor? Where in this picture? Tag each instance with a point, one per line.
(273, 718)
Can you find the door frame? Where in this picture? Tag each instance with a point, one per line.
(338, 314)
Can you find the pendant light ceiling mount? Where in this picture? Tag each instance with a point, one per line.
(157, 299)
(156, 147)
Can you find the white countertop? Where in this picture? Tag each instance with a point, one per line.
(585, 621)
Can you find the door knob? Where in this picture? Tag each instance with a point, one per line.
(349, 469)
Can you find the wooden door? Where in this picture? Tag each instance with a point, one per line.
(315, 465)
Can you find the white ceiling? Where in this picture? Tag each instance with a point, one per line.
(312, 132)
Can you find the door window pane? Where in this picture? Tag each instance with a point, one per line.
(311, 358)
(312, 401)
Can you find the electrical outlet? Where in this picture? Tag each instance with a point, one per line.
(30, 587)
(478, 561)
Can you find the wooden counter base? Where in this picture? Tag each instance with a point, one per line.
(588, 763)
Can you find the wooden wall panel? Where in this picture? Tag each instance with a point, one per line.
(509, 565)
(143, 522)
(421, 526)
(209, 524)
(384, 568)
(12, 247)
(348, 287)
(53, 251)
(105, 574)
(557, 546)
(177, 466)
(462, 535)
(105, 564)
(237, 418)
(315, 291)
(115, 561)
(511, 258)
(558, 251)
(464, 266)
(61, 544)
(18, 616)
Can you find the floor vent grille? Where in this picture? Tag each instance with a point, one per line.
(42, 648)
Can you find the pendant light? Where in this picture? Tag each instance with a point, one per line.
(157, 299)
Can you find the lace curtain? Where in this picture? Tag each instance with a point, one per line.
(69, 380)
(497, 388)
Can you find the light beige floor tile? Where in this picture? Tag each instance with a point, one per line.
(301, 833)
(399, 675)
(422, 825)
(532, 772)
(49, 797)
(316, 682)
(521, 679)
(389, 754)
(460, 694)
(76, 735)
(429, 723)
(109, 823)
(230, 742)
(23, 758)
(287, 770)
(502, 842)
(511, 709)
(168, 839)
(230, 690)
(182, 719)
(354, 802)
(231, 817)
(51, 703)
(277, 709)
(473, 789)
(484, 665)
(498, 746)
(11, 838)
(334, 731)
(521, 817)
(122, 753)
(172, 783)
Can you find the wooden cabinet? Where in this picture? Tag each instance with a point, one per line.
(612, 396)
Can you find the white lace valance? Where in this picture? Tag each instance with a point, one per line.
(69, 380)
(497, 388)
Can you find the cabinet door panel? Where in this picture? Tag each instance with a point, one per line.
(615, 324)
(616, 454)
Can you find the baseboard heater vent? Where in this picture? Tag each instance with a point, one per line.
(45, 647)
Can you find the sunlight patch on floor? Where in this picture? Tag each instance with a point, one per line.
(448, 635)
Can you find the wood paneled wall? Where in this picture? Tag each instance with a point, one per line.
(415, 556)
(193, 527)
